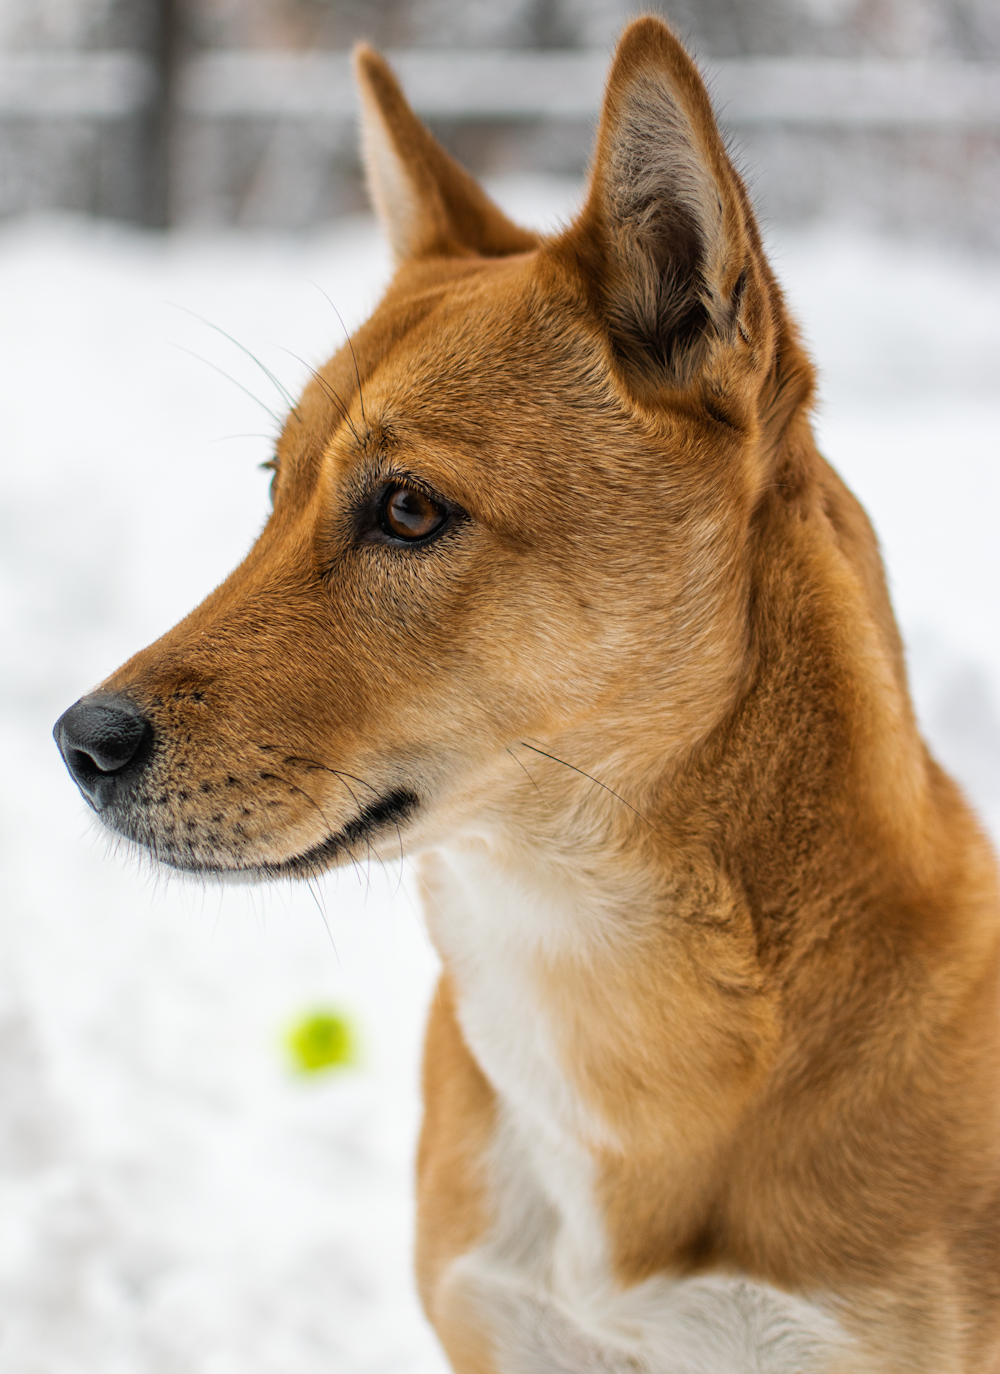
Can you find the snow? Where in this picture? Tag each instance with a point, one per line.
(175, 1197)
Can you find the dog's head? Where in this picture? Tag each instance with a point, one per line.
(514, 508)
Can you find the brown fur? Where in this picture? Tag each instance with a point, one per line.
(789, 1028)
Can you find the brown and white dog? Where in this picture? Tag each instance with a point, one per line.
(558, 594)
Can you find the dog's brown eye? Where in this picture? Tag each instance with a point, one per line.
(409, 514)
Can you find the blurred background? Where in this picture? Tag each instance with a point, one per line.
(240, 112)
(180, 196)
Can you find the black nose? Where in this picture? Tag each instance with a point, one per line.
(105, 742)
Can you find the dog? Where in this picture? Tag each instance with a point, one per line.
(558, 595)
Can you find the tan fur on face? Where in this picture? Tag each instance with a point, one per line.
(713, 1066)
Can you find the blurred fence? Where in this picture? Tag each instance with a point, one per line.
(265, 138)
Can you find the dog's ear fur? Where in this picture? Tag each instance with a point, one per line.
(666, 240)
(428, 204)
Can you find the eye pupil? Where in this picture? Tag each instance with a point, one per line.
(409, 514)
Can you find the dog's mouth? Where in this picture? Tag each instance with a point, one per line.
(390, 811)
(354, 841)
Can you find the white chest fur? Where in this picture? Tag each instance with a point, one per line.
(495, 930)
(542, 1282)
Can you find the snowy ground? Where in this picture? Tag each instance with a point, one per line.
(173, 1197)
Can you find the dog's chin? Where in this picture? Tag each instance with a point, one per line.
(354, 841)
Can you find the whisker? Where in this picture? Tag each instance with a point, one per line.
(245, 390)
(325, 768)
(349, 790)
(368, 846)
(329, 827)
(281, 389)
(340, 774)
(399, 879)
(592, 779)
(294, 787)
(524, 770)
(329, 391)
(350, 345)
(322, 913)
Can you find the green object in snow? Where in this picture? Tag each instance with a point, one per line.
(322, 1040)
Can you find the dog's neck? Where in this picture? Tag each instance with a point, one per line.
(631, 953)
(599, 992)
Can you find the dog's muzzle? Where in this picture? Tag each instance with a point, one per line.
(105, 742)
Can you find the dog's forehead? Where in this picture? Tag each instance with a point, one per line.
(496, 360)
(440, 330)
(462, 365)
(484, 332)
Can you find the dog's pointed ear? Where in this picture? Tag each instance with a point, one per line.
(666, 239)
(428, 204)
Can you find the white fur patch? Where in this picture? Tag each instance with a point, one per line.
(542, 1282)
(695, 1326)
(491, 926)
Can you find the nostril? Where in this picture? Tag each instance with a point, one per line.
(101, 738)
(81, 764)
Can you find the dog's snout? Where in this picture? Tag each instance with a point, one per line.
(104, 741)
